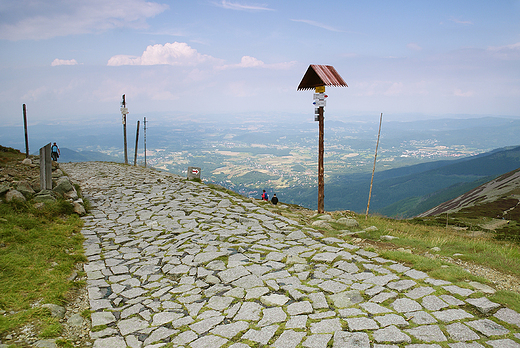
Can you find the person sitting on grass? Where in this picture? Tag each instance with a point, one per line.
(274, 200)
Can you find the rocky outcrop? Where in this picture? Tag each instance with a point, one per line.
(23, 184)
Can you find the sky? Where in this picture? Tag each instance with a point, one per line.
(71, 61)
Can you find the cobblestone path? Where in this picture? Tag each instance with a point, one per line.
(174, 263)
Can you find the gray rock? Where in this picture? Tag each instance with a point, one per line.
(261, 336)
(25, 188)
(63, 186)
(322, 224)
(460, 332)
(488, 327)
(4, 187)
(427, 333)
(483, 304)
(343, 339)
(326, 326)
(79, 208)
(448, 315)
(509, 316)
(317, 341)
(402, 305)
(391, 334)
(45, 196)
(76, 320)
(361, 324)
(289, 339)
(56, 311)
(348, 222)
(48, 343)
(102, 318)
(303, 307)
(14, 195)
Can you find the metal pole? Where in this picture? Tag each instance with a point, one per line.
(25, 127)
(136, 141)
(145, 142)
(321, 151)
(374, 168)
(124, 131)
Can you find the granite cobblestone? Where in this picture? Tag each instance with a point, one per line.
(174, 261)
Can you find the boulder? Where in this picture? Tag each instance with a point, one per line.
(349, 222)
(14, 195)
(325, 217)
(27, 162)
(56, 311)
(45, 196)
(36, 185)
(72, 195)
(4, 187)
(25, 188)
(58, 173)
(79, 209)
(63, 186)
(321, 224)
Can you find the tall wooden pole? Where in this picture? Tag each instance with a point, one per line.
(136, 141)
(321, 170)
(145, 142)
(25, 128)
(374, 168)
(124, 131)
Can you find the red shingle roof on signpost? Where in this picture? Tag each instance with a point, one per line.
(321, 75)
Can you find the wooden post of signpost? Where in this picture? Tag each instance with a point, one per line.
(136, 141)
(144, 142)
(321, 155)
(124, 112)
(25, 128)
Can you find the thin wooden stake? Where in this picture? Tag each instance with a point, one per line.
(26, 136)
(136, 142)
(374, 169)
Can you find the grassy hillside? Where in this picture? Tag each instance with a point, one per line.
(397, 192)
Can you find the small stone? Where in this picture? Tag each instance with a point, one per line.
(483, 304)
(56, 311)
(388, 237)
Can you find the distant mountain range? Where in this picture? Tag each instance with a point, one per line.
(409, 191)
(498, 198)
(68, 155)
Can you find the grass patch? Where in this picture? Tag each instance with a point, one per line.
(511, 299)
(482, 249)
(38, 252)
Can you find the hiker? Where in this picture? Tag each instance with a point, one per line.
(265, 196)
(55, 152)
(274, 200)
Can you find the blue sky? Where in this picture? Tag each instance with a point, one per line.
(70, 61)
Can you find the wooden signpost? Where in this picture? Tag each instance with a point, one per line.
(317, 77)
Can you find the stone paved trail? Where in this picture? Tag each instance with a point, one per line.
(174, 261)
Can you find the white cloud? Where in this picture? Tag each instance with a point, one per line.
(57, 62)
(176, 53)
(459, 93)
(458, 21)
(241, 7)
(414, 46)
(316, 24)
(252, 62)
(44, 19)
(507, 52)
